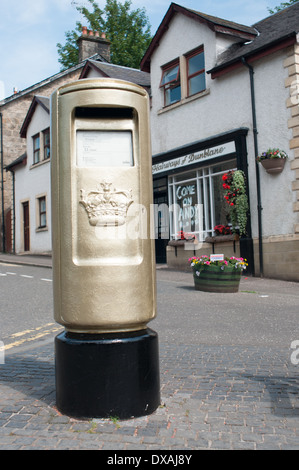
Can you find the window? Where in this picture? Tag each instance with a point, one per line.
(36, 149)
(198, 202)
(46, 140)
(184, 77)
(170, 82)
(42, 212)
(196, 72)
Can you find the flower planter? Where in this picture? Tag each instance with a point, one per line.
(211, 278)
(273, 165)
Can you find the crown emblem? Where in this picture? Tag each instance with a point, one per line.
(106, 206)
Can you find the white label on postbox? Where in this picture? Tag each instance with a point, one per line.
(104, 148)
(216, 257)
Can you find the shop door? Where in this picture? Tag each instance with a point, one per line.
(26, 226)
(162, 226)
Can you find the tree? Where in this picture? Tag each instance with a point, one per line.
(128, 32)
(282, 6)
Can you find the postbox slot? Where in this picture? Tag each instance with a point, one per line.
(103, 113)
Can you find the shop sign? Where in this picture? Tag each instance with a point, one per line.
(193, 158)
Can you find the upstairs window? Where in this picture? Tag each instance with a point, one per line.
(196, 71)
(36, 149)
(46, 139)
(171, 84)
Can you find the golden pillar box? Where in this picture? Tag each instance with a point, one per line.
(103, 252)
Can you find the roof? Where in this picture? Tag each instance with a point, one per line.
(48, 80)
(22, 160)
(117, 71)
(243, 32)
(278, 29)
(44, 102)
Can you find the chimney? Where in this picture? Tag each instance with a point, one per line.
(91, 43)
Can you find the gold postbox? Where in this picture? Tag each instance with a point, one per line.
(103, 252)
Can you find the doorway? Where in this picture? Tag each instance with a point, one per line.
(161, 219)
(26, 230)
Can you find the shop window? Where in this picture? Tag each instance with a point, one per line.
(170, 83)
(196, 72)
(197, 201)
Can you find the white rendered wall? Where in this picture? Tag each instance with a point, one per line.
(32, 182)
(227, 106)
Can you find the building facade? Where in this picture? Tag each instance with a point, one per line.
(13, 110)
(221, 94)
(28, 225)
(31, 205)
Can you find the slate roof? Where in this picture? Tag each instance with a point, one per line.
(117, 71)
(260, 36)
(230, 25)
(22, 160)
(271, 31)
(216, 24)
(44, 101)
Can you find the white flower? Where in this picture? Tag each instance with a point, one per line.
(197, 273)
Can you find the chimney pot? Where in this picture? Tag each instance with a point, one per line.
(90, 33)
(97, 34)
(84, 30)
(103, 35)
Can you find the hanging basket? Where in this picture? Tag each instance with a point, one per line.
(273, 165)
(217, 278)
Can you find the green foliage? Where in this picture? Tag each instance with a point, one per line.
(236, 197)
(128, 32)
(282, 6)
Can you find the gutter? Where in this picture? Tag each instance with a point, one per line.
(257, 169)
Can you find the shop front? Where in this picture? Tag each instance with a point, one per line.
(189, 200)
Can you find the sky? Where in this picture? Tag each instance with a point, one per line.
(31, 29)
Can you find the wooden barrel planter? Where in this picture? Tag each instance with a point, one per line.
(212, 278)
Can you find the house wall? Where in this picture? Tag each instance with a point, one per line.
(32, 182)
(14, 110)
(226, 105)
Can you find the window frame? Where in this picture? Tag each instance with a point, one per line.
(171, 84)
(46, 146)
(203, 179)
(41, 212)
(36, 150)
(188, 56)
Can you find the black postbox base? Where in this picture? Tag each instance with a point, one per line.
(107, 375)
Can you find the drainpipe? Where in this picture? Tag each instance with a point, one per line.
(2, 184)
(13, 212)
(257, 169)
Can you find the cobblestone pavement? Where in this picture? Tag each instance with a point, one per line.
(216, 393)
(212, 398)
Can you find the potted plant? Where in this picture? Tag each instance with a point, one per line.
(221, 275)
(222, 230)
(273, 160)
(235, 195)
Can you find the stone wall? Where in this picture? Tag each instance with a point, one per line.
(292, 83)
(14, 110)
